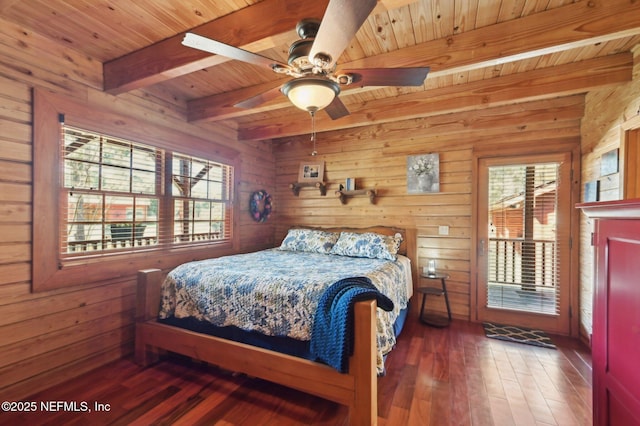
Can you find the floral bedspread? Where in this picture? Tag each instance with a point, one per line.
(276, 292)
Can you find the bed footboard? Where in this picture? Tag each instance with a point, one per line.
(357, 389)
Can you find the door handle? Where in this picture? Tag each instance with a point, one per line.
(481, 248)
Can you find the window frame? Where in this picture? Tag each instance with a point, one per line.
(98, 191)
(50, 270)
(193, 198)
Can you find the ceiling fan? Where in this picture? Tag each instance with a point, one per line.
(312, 61)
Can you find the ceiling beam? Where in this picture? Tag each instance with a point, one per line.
(562, 80)
(568, 27)
(250, 28)
(221, 107)
(575, 25)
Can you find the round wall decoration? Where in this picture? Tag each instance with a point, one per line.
(260, 205)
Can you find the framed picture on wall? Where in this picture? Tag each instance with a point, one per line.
(311, 172)
(591, 191)
(609, 163)
(423, 173)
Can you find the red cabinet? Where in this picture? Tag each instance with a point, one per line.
(616, 312)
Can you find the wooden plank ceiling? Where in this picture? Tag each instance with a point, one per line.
(481, 52)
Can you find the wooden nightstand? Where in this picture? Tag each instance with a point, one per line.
(433, 319)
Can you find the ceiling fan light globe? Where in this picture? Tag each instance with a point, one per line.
(311, 94)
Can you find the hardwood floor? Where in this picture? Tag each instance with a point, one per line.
(450, 376)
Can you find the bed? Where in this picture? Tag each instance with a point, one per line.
(163, 315)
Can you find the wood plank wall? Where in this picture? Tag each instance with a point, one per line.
(376, 156)
(606, 110)
(48, 337)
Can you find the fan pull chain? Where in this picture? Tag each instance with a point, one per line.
(313, 132)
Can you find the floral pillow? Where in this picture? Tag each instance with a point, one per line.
(368, 244)
(309, 240)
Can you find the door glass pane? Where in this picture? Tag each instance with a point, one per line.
(522, 249)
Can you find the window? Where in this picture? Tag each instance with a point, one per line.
(113, 190)
(522, 260)
(200, 191)
(112, 196)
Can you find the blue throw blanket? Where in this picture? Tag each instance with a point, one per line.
(332, 332)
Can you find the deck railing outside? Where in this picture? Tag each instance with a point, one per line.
(110, 244)
(508, 266)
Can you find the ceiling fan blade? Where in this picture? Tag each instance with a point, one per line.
(212, 46)
(336, 109)
(341, 22)
(388, 76)
(263, 97)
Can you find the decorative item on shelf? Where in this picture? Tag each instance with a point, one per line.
(343, 194)
(312, 171)
(260, 206)
(295, 187)
(350, 184)
(423, 173)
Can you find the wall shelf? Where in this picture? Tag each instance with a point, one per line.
(295, 187)
(371, 193)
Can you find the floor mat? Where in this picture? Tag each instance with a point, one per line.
(518, 335)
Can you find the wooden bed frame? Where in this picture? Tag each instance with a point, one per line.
(357, 389)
